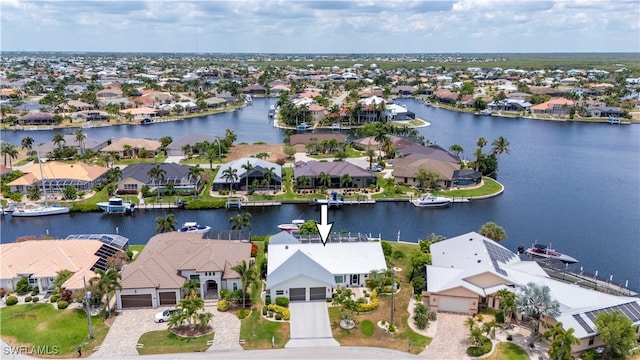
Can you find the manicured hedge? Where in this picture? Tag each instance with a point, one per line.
(27, 299)
(223, 305)
(12, 300)
(53, 298)
(62, 304)
(282, 301)
(35, 299)
(371, 305)
(243, 313)
(286, 314)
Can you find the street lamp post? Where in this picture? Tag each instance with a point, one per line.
(393, 291)
(87, 300)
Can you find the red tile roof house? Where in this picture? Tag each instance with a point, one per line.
(169, 259)
(557, 106)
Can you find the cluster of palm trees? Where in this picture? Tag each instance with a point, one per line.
(488, 164)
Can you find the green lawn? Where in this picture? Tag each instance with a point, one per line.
(44, 326)
(166, 342)
(508, 351)
(489, 187)
(258, 332)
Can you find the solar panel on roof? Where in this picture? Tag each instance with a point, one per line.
(583, 323)
(634, 308)
(626, 309)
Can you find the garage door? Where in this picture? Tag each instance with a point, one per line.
(297, 294)
(167, 298)
(317, 293)
(129, 301)
(456, 305)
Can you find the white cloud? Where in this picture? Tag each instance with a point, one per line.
(321, 26)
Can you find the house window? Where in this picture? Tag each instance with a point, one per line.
(592, 340)
(235, 286)
(131, 186)
(339, 278)
(194, 277)
(279, 292)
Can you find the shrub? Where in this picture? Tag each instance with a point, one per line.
(27, 299)
(53, 298)
(590, 355)
(223, 305)
(35, 291)
(224, 294)
(500, 316)
(12, 300)
(254, 250)
(243, 313)
(22, 286)
(278, 316)
(2, 292)
(264, 311)
(282, 301)
(476, 351)
(35, 299)
(509, 337)
(398, 254)
(367, 328)
(62, 304)
(267, 299)
(371, 305)
(286, 314)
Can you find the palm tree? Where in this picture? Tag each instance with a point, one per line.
(324, 178)
(166, 224)
(195, 172)
(241, 221)
(247, 275)
(481, 142)
(370, 154)
(106, 281)
(157, 173)
(470, 322)
(80, 137)
(345, 180)
(561, 341)
(230, 175)
(268, 175)
(9, 150)
(27, 143)
(247, 167)
(507, 303)
(211, 154)
(534, 301)
(127, 150)
(456, 149)
(500, 145)
(304, 181)
(479, 155)
(58, 140)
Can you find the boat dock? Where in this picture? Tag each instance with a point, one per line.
(262, 203)
(585, 279)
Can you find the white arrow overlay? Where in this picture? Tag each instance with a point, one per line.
(324, 228)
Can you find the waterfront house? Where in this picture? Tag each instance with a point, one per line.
(70, 142)
(509, 105)
(301, 141)
(311, 271)
(605, 111)
(55, 176)
(135, 176)
(169, 259)
(405, 169)
(41, 260)
(37, 118)
(314, 171)
(556, 106)
(177, 146)
(130, 147)
(257, 173)
(468, 270)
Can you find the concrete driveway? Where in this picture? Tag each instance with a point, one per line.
(310, 325)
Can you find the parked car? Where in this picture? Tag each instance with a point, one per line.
(164, 315)
(376, 168)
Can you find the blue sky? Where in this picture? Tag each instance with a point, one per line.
(362, 26)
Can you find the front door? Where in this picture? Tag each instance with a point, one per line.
(355, 279)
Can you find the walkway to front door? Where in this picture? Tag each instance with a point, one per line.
(310, 325)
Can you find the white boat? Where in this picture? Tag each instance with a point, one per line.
(272, 111)
(304, 127)
(194, 227)
(39, 210)
(542, 251)
(293, 226)
(332, 201)
(429, 200)
(485, 112)
(117, 205)
(33, 210)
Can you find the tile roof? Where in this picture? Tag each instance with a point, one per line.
(336, 168)
(59, 170)
(44, 258)
(165, 255)
(135, 143)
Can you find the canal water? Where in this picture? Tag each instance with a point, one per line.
(574, 186)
